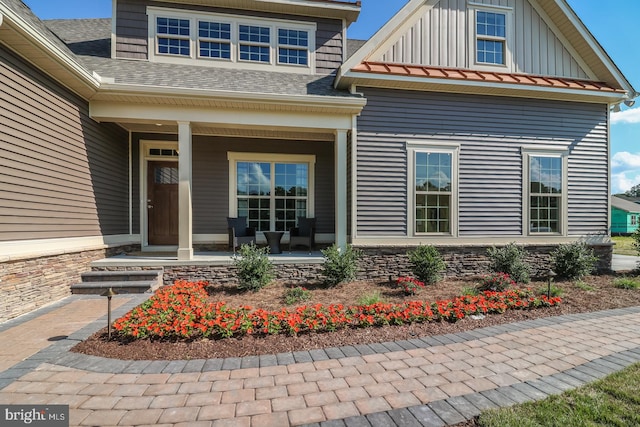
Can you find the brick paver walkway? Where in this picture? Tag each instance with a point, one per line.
(423, 382)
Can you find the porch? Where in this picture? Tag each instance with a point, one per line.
(214, 267)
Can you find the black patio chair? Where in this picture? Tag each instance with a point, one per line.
(304, 234)
(239, 233)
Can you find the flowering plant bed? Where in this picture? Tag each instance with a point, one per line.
(182, 311)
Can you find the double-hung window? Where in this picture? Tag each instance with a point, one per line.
(254, 43)
(272, 191)
(491, 36)
(293, 47)
(546, 188)
(173, 36)
(214, 39)
(433, 188)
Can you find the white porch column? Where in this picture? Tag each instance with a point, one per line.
(185, 222)
(341, 188)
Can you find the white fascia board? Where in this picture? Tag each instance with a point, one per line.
(383, 35)
(597, 48)
(603, 97)
(157, 113)
(58, 55)
(222, 95)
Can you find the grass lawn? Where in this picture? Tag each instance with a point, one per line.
(624, 245)
(612, 401)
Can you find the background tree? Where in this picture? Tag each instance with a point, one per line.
(633, 191)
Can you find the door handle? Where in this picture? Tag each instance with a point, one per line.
(149, 206)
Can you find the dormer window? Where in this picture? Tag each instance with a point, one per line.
(214, 40)
(293, 47)
(173, 36)
(230, 41)
(490, 37)
(255, 43)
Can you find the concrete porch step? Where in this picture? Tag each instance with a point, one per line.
(122, 281)
(122, 275)
(126, 287)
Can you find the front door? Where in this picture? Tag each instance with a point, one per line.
(162, 203)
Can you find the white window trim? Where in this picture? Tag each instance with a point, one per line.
(235, 157)
(508, 66)
(235, 21)
(414, 147)
(536, 151)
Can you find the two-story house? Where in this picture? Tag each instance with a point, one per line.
(460, 123)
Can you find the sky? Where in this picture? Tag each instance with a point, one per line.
(613, 23)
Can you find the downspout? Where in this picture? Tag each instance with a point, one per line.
(130, 185)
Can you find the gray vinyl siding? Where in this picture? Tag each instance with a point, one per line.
(132, 32)
(211, 177)
(62, 174)
(490, 132)
(440, 38)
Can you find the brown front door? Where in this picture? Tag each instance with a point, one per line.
(162, 203)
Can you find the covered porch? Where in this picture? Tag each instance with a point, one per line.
(272, 160)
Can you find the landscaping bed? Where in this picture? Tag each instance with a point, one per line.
(593, 293)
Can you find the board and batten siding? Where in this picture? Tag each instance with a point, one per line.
(132, 31)
(62, 174)
(440, 38)
(491, 132)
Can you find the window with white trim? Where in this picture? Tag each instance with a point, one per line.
(272, 191)
(173, 36)
(229, 40)
(546, 191)
(490, 37)
(433, 188)
(214, 39)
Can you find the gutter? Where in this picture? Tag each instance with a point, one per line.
(107, 87)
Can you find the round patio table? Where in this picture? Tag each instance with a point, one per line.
(273, 240)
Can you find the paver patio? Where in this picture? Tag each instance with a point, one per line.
(431, 381)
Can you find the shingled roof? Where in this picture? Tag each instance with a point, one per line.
(90, 41)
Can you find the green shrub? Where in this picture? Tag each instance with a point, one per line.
(255, 271)
(584, 286)
(555, 291)
(469, 290)
(296, 295)
(510, 259)
(636, 240)
(626, 283)
(369, 299)
(573, 260)
(426, 263)
(496, 282)
(340, 265)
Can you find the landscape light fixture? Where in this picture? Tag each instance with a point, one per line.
(109, 293)
(550, 275)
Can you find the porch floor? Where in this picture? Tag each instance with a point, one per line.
(164, 259)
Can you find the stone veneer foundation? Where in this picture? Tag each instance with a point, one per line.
(376, 264)
(30, 283)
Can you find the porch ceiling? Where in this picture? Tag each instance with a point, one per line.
(239, 132)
